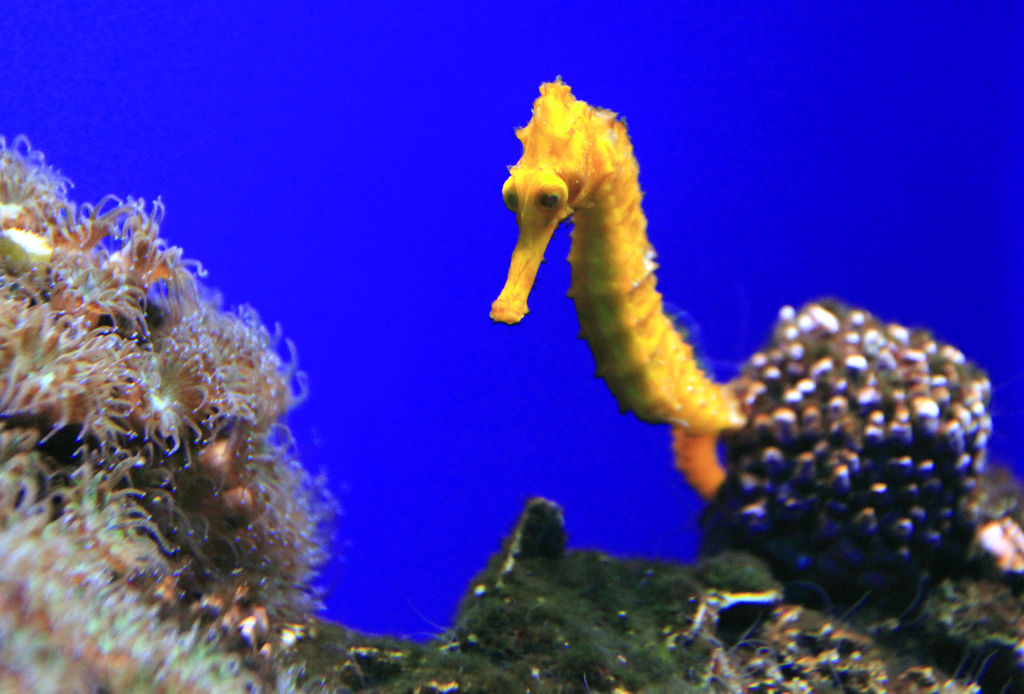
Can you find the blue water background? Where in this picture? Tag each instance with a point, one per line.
(338, 166)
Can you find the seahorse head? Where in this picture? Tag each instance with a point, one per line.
(568, 146)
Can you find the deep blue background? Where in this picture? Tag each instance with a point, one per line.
(339, 167)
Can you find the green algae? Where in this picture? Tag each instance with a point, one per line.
(542, 618)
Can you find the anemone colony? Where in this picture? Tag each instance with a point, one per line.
(143, 466)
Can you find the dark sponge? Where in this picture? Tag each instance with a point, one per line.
(858, 466)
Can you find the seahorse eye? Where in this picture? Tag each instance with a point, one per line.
(508, 194)
(548, 201)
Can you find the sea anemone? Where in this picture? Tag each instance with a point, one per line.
(32, 195)
(58, 372)
(171, 394)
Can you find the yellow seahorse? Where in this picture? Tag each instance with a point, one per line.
(578, 162)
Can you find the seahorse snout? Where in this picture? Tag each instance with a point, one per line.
(510, 306)
(508, 311)
(534, 235)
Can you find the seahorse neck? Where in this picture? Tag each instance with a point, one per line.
(610, 222)
(638, 351)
